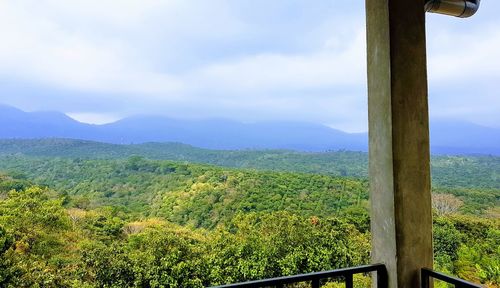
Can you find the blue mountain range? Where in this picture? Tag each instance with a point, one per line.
(447, 137)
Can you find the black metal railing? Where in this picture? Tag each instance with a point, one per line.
(315, 278)
(427, 274)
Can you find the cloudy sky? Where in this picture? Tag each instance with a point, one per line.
(248, 60)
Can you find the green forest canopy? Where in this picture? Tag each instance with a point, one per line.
(473, 171)
(136, 222)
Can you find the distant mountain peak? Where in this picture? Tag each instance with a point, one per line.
(446, 136)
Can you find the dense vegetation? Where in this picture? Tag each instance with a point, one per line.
(135, 222)
(134, 184)
(199, 195)
(44, 243)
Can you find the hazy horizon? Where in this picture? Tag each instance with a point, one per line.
(81, 119)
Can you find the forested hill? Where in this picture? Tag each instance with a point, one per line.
(204, 195)
(199, 195)
(447, 171)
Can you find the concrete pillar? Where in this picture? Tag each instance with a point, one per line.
(401, 217)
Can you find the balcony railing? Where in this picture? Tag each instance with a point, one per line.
(347, 276)
(428, 274)
(315, 278)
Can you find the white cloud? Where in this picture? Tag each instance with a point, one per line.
(464, 69)
(93, 118)
(39, 48)
(467, 56)
(271, 71)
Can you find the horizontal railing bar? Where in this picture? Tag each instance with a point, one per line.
(449, 279)
(308, 276)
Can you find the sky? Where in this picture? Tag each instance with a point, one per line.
(246, 60)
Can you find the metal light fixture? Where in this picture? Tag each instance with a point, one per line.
(458, 8)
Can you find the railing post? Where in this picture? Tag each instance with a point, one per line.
(349, 281)
(382, 277)
(424, 279)
(315, 283)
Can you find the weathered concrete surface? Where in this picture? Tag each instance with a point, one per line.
(399, 139)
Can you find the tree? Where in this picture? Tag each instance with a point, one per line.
(446, 203)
